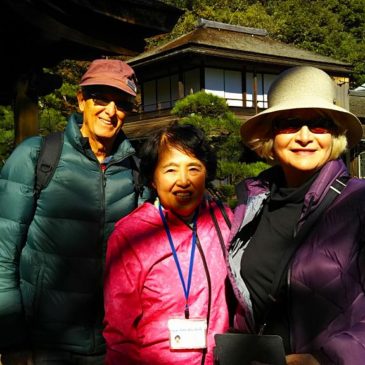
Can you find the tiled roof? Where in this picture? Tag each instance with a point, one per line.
(233, 44)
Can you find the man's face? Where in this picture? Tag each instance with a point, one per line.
(104, 109)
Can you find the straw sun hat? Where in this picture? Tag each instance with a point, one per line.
(299, 88)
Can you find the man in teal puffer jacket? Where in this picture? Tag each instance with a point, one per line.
(52, 248)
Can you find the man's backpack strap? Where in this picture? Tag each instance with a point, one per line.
(48, 159)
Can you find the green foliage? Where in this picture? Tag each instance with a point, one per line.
(71, 70)
(226, 190)
(232, 172)
(6, 118)
(236, 12)
(54, 108)
(51, 120)
(201, 103)
(64, 100)
(6, 144)
(334, 28)
(236, 171)
(212, 114)
(6, 133)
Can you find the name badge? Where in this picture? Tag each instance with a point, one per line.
(187, 333)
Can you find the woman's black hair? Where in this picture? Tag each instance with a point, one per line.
(184, 137)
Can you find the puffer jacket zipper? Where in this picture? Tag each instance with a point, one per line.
(103, 182)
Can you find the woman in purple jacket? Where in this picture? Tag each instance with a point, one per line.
(318, 304)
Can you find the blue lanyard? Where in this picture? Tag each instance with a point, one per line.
(191, 264)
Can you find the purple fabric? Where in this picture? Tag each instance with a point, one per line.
(326, 276)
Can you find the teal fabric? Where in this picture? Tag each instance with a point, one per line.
(52, 250)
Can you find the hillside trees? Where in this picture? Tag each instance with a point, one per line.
(334, 28)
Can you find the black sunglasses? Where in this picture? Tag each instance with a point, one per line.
(104, 100)
(293, 125)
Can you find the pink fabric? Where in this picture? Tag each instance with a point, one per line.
(143, 289)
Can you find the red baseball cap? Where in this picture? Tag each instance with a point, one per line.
(113, 73)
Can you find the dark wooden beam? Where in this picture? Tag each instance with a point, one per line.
(35, 34)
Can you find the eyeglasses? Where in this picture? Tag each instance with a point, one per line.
(104, 100)
(293, 125)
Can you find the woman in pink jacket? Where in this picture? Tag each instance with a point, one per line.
(165, 294)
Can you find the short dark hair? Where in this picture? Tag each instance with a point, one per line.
(185, 137)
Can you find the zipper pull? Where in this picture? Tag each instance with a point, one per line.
(262, 329)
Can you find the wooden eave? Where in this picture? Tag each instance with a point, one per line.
(238, 46)
(256, 58)
(116, 27)
(40, 33)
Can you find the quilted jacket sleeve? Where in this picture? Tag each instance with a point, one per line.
(122, 301)
(347, 346)
(336, 270)
(16, 212)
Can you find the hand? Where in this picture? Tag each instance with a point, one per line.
(20, 357)
(301, 359)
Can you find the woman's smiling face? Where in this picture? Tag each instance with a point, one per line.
(304, 149)
(179, 180)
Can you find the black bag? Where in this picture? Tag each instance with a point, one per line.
(249, 349)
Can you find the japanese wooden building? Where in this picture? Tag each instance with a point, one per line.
(233, 62)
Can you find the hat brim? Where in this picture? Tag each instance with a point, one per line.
(108, 82)
(251, 128)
